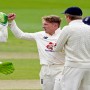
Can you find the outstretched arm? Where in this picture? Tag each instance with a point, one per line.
(16, 30)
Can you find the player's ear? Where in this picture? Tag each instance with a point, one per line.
(54, 24)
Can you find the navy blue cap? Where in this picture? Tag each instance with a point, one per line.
(73, 11)
(86, 20)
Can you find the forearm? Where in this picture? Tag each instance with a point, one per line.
(15, 30)
(62, 40)
(19, 33)
(59, 46)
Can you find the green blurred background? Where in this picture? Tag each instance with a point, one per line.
(28, 18)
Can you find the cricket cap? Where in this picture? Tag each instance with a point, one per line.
(76, 11)
(86, 20)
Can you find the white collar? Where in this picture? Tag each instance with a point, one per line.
(56, 32)
(76, 21)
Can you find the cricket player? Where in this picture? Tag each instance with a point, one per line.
(85, 84)
(51, 62)
(75, 38)
(3, 27)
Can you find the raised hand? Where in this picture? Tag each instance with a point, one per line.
(11, 16)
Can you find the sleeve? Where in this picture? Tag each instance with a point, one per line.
(63, 38)
(3, 33)
(19, 33)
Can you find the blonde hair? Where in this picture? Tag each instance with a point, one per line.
(73, 17)
(52, 19)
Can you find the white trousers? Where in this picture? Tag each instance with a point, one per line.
(85, 83)
(48, 74)
(73, 79)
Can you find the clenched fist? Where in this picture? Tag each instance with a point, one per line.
(11, 16)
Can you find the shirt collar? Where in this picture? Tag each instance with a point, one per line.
(76, 21)
(56, 32)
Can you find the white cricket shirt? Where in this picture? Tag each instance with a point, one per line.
(42, 39)
(3, 33)
(75, 38)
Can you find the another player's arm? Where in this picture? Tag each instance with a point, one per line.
(62, 39)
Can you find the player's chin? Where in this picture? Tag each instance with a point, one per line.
(46, 30)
